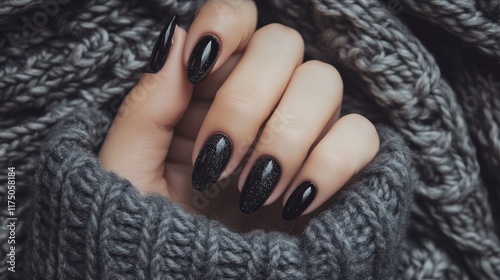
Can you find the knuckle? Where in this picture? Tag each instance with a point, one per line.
(362, 128)
(240, 100)
(293, 132)
(226, 8)
(287, 129)
(238, 106)
(282, 35)
(323, 73)
(323, 70)
(334, 157)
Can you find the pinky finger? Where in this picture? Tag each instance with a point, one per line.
(351, 143)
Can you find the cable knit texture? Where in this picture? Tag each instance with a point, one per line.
(426, 72)
(103, 227)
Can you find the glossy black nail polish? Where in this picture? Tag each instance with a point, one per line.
(259, 184)
(162, 47)
(300, 199)
(211, 161)
(203, 58)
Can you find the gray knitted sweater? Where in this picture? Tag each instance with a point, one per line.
(426, 72)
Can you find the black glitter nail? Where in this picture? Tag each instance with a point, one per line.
(211, 161)
(259, 184)
(202, 59)
(300, 199)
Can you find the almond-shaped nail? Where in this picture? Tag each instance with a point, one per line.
(211, 161)
(202, 59)
(299, 200)
(162, 46)
(260, 183)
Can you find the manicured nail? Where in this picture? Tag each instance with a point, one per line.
(162, 47)
(300, 199)
(203, 58)
(260, 183)
(211, 161)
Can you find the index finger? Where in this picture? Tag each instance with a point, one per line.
(221, 28)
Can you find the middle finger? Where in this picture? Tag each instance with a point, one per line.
(244, 102)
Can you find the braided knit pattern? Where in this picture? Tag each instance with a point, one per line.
(404, 79)
(477, 23)
(104, 228)
(49, 70)
(88, 224)
(12, 7)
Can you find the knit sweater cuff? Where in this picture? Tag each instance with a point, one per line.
(89, 223)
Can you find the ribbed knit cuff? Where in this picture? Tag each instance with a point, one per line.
(91, 224)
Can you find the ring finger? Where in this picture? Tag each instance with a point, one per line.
(350, 144)
(312, 97)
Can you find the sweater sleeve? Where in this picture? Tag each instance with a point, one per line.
(91, 224)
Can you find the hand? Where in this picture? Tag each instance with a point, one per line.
(257, 112)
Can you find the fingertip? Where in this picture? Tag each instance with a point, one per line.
(299, 201)
(174, 60)
(220, 29)
(203, 58)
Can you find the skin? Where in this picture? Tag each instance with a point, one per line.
(259, 87)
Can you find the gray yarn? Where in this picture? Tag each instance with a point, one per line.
(476, 22)
(89, 55)
(105, 228)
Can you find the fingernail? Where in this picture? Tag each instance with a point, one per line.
(162, 47)
(211, 161)
(202, 59)
(259, 184)
(300, 199)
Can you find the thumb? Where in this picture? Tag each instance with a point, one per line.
(138, 141)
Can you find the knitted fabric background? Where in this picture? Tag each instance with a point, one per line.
(427, 72)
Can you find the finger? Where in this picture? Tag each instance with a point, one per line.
(245, 101)
(190, 123)
(311, 99)
(203, 95)
(139, 138)
(220, 28)
(349, 146)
